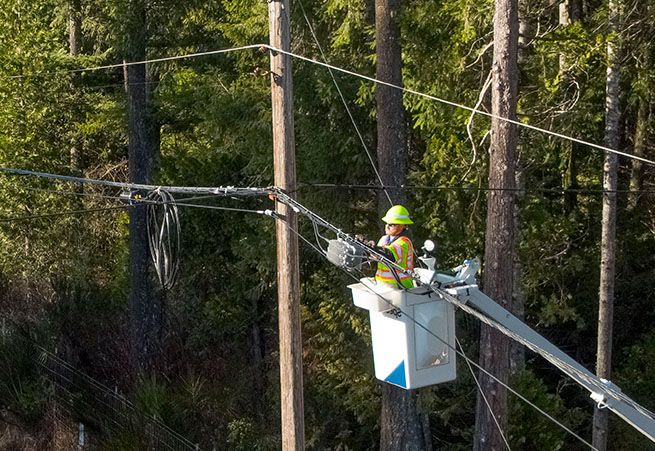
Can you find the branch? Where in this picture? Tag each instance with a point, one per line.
(469, 124)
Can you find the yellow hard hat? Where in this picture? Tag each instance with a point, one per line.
(397, 215)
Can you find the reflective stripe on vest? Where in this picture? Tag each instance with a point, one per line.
(403, 255)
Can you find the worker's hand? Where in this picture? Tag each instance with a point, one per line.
(361, 239)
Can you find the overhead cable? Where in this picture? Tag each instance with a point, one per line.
(371, 79)
(464, 356)
(221, 190)
(473, 188)
(164, 236)
(458, 105)
(153, 60)
(56, 367)
(345, 104)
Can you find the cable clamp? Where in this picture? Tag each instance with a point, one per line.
(599, 399)
(131, 197)
(270, 213)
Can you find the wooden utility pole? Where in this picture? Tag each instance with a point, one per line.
(288, 283)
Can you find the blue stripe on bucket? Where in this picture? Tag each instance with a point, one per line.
(397, 376)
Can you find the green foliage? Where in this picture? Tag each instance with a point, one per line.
(218, 382)
(635, 377)
(23, 391)
(530, 431)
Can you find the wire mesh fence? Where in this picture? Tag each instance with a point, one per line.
(104, 418)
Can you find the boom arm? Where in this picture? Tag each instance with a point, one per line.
(604, 392)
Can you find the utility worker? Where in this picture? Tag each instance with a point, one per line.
(397, 247)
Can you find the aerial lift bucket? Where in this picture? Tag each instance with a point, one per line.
(412, 332)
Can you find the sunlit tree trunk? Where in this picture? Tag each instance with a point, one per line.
(499, 239)
(74, 44)
(517, 350)
(608, 232)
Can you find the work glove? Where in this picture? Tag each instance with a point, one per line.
(362, 239)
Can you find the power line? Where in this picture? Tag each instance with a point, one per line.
(122, 207)
(70, 377)
(225, 190)
(105, 196)
(458, 105)
(571, 368)
(345, 104)
(475, 189)
(464, 356)
(63, 213)
(146, 61)
(298, 207)
(364, 77)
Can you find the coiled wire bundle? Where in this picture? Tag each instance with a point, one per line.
(164, 236)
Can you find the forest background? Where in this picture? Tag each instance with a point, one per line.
(64, 253)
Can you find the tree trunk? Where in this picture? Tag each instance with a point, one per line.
(516, 349)
(74, 44)
(569, 12)
(391, 148)
(499, 239)
(526, 31)
(145, 308)
(401, 425)
(644, 129)
(608, 233)
(74, 27)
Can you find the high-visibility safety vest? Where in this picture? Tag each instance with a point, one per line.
(402, 250)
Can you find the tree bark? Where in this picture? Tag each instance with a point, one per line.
(516, 349)
(642, 138)
(74, 27)
(402, 427)
(391, 148)
(608, 232)
(144, 307)
(499, 239)
(644, 129)
(74, 44)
